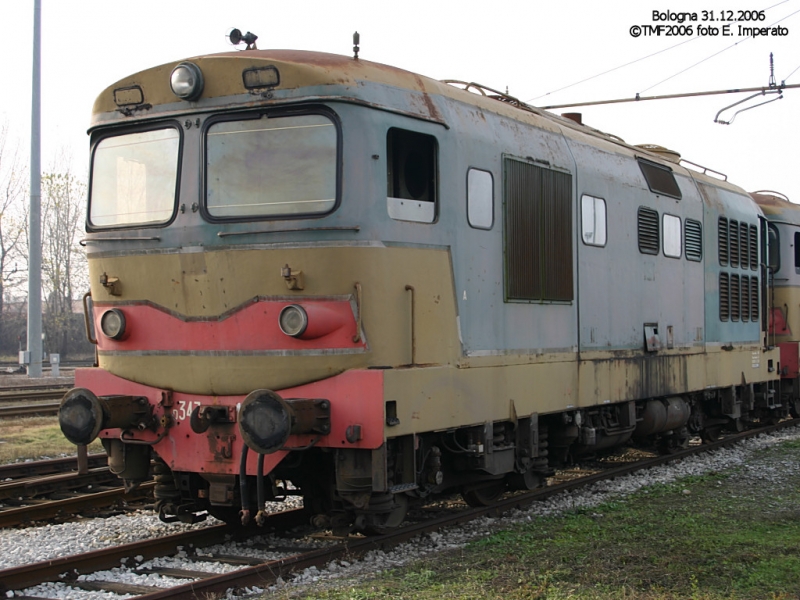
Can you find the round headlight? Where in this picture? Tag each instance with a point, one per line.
(186, 81)
(112, 323)
(293, 320)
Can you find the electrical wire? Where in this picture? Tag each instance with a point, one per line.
(790, 74)
(566, 87)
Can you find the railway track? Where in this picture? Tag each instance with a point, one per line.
(53, 489)
(30, 410)
(25, 395)
(201, 583)
(31, 401)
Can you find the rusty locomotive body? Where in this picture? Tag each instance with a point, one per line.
(317, 275)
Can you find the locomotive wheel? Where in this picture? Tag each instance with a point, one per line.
(384, 522)
(794, 408)
(529, 480)
(674, 443)
(710, 434)
(485, 495)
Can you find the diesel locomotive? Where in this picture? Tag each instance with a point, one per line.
(317, 275)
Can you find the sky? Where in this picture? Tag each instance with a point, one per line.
(537, 50)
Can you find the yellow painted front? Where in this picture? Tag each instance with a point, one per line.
(208, 284)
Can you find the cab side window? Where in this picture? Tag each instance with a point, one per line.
(411, 175)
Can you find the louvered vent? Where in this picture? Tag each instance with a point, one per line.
(753, 247)
(538, 222)
(693, 242)
(724, 297)
(734, 297)
(744, 245)
(754, 299)
(733, 243)
(745, 283)
(648, 231)
(723, 241)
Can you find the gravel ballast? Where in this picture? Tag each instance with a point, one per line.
(24, 546)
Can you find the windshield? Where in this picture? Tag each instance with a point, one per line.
(271, 166)
(134, 178)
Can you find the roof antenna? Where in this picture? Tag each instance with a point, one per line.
(236, 38)
(772, 88)
(356, 41)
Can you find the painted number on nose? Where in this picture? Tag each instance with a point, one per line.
(184, 409)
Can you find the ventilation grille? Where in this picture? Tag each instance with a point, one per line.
(754, 299)
(723, 241)
(648, 231)
(745, 296)
(724, 297)
(734, 297)
(693, 242)
(538, 213)
(744, 245)
(753, 247)
(733, 240)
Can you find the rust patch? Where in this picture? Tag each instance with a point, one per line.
(429, 104)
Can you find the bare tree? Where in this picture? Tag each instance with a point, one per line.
(64, 268)
(13, 218)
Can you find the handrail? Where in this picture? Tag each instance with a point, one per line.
(410, 288)
(86, 318)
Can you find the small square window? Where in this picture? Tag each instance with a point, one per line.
(593, 220)
(480, 199)
(672, 236)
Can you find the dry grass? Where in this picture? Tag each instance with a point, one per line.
(35, 437)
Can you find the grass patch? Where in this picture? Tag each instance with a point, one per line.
(728, 536)
(35, 437)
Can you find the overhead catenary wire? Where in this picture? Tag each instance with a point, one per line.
(639, 98)
(622, 66)
(627, 64)
(785, 79)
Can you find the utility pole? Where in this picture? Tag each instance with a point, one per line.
(35, 223)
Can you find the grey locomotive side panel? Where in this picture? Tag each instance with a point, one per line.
(623, 290)
(728, 320)
(489, 324)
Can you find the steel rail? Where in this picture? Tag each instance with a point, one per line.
(24, 576)
(30, 487)
(23, 395)
(16, 389)
(53, 509)
(267, 572)
(39, 468)
(29, 410)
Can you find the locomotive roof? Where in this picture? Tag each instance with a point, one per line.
(777, 206)
(349, 76)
